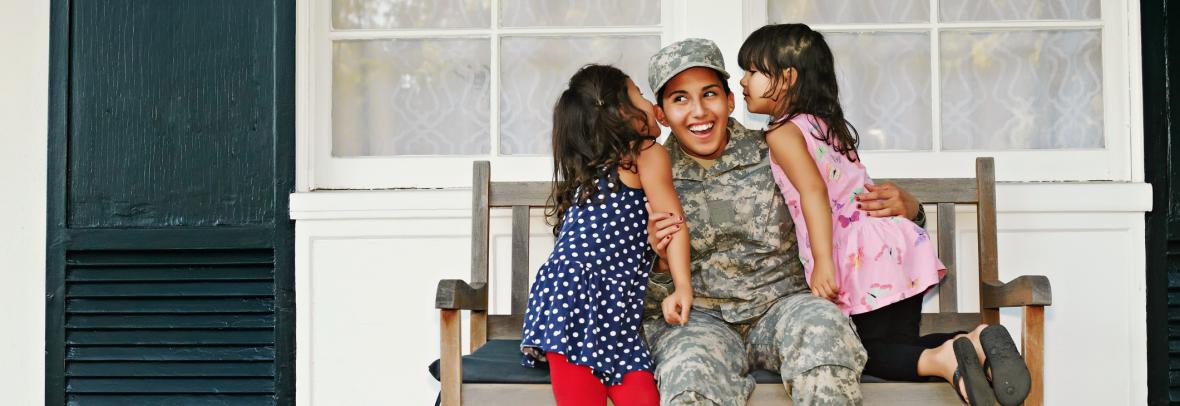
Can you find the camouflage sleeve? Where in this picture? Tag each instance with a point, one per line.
(659, 286)
(920, 218)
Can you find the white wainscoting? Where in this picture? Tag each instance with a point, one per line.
(24, 109)
(367, 263)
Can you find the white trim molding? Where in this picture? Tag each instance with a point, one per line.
(1011, 197)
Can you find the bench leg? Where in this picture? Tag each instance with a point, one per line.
(479, 328)
(1034, 352)
(450, 366)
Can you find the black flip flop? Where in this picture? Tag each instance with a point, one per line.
(1009, 375)
(979, 392)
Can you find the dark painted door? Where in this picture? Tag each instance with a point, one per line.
(170, 252)
(1161, 128)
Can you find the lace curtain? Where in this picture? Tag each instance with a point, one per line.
(431, 95)
(1001, 88)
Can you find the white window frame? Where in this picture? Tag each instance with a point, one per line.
(1120, 159)
(316, 168)
(727, 24)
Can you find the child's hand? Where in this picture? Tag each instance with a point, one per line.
(823, 281)
(677, 306)
(661, 226)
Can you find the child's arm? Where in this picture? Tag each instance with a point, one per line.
(790, 152)
(655, 175)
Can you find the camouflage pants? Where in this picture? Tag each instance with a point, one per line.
(806, 339)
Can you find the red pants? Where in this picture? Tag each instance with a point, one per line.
(576, 385)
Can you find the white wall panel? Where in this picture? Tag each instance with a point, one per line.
(24, 95)
(365, 306)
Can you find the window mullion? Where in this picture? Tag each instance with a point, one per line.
(494, 81)
(935, 81)
(407, 34)
(563, 31)
(480, 32)
(903, 27)
(1032, 25)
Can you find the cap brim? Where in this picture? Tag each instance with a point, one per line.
(656, 88)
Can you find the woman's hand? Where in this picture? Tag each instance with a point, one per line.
(887, 200)
(823, 281)
(677, 306)
(660, 228)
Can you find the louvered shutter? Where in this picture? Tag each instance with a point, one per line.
(171, 158)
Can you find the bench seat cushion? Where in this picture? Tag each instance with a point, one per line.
(498, 361)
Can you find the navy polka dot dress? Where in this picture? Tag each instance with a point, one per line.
(587, 300)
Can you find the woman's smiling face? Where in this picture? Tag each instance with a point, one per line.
(696, 108)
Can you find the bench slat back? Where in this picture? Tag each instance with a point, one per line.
(948, 293)
(944, 193)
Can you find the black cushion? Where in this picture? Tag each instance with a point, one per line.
(498, 361)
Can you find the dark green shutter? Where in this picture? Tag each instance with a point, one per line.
(1161, 128)
(170, 252)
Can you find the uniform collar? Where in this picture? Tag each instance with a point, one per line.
(745, 147)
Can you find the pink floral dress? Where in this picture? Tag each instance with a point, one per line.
(879, 260)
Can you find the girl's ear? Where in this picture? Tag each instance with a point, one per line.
(663, 119)
(789, 77)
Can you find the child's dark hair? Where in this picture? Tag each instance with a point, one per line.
(594, 134)
(773, 49)
(720, 78)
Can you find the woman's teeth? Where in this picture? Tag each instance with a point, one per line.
(700, 128)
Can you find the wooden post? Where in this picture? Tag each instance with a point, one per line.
(480, 212)
(985, 176)
(1032, 344)
(450, 366)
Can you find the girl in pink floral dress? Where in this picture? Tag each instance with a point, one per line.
(875, 269)
(877, 261)
(861, 263)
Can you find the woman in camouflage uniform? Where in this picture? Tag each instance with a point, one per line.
(752, 306)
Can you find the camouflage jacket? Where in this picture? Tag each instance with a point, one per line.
(744, 256)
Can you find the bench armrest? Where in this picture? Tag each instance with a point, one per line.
(1027, 290)
(455, 294)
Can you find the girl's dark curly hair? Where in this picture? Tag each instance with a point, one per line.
(594, 134)
(773, 49)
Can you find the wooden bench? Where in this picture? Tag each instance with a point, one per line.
(1030, 292)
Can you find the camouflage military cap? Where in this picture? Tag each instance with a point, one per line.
(680, 56)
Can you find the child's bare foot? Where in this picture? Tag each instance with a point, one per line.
(940, 361)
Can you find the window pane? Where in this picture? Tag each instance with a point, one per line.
(534, 71)
(392, 14)
(1021, 90)
(410, 97)
(976, 10)
(847, 11)
(885, 87)
(594, 13)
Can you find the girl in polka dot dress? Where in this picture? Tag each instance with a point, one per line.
(585, 306)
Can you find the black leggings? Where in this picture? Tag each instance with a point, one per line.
(890, 336)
